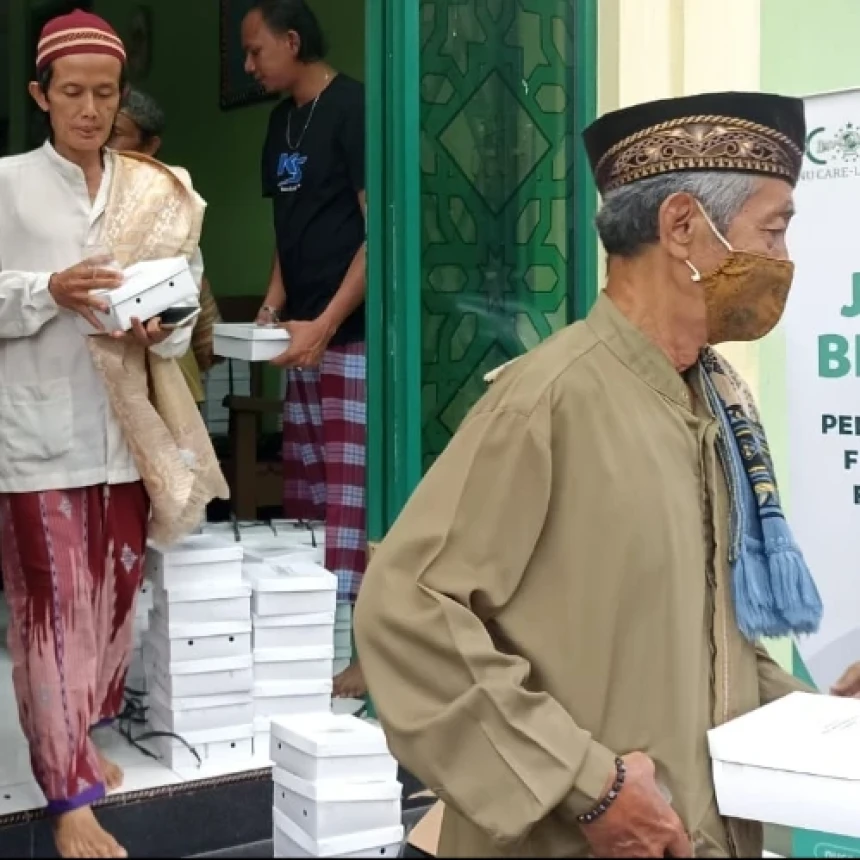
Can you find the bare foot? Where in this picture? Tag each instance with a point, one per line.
(350, 683)
(78, 834)
(113, 773)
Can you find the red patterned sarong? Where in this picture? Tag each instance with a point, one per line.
(72, 568)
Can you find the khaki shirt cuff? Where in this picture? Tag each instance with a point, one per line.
(596, 771)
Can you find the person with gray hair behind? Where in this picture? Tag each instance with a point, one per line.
(139, 127)
(578, 590)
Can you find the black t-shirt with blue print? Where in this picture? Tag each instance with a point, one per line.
(314, 181)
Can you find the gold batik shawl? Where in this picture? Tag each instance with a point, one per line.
(152, 215)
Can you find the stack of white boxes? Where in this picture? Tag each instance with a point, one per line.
(293, 611)
(197, 652)
(336, 792)
(136, 678)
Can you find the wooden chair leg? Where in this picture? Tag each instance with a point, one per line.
(245, 465)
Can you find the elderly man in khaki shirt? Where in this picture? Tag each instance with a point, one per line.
(576, 592)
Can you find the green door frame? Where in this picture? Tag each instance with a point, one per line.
(394, 382)
(394, 249)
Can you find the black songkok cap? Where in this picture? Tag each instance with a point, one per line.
(739, 132)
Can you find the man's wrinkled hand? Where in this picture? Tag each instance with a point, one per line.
(848, 686)
(72, 288)
(145, 334)
(308, 343)
(640, 823)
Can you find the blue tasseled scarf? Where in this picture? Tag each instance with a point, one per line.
(774, 593)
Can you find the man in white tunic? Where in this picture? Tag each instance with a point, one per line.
(88, 462)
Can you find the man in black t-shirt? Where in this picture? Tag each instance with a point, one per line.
(313, 171)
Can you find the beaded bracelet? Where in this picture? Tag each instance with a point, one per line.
(611, 797)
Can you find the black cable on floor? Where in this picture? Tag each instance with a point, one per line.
(135, 714)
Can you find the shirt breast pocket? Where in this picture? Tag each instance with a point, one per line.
(35, 424)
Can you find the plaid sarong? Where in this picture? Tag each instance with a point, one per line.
(324, 458)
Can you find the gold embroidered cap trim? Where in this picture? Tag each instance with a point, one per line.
(699, 143)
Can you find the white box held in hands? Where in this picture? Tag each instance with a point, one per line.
(326, 746)
(794, 763)
(249, 342)
(199, 560)
(149, 289)
(291, 841)
(326, 810)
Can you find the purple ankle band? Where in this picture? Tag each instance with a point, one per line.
(104, 723)
(85, 798)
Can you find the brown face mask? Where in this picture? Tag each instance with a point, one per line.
(746, 296)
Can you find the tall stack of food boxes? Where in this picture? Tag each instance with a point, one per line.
(293, 610)
(197, 652)
(233, 632)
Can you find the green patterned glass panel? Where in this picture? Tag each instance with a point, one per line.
(497, 193)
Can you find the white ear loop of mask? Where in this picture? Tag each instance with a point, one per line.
(696, 275)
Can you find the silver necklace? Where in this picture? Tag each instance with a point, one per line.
(294, 146)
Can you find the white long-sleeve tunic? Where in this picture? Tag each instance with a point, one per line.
(57, 429)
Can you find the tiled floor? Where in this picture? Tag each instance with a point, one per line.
(19, 792)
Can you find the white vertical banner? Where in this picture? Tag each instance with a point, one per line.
(822, 334)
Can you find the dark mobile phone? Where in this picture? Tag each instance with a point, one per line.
(175, 317)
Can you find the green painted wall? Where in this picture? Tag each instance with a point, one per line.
(805, 49)
(809, 47)
(222, 148)
(799, 60)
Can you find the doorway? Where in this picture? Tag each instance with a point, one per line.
(480, 236)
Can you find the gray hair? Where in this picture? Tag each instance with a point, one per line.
(628, 218)
(145, 112)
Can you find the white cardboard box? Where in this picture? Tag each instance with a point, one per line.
(149, 288)
(225, 744)
(292, 587)
(198, 560)
(176, 755)
(291, 841)
(278, 549)
(283, 698)
(794, 763)
(325, 810)
(202, 603)
(210, 641)
(294, 664)
(293, 631)
(201, 713)
(250, 342)
(198, 677)
(328, 746)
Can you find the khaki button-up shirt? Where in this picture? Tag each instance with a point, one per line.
(557, 592)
